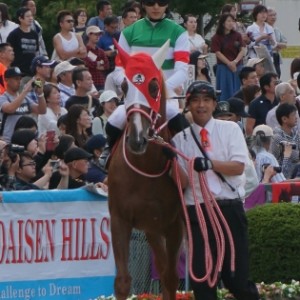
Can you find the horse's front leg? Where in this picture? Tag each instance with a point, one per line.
(121, 233)
(166, 253)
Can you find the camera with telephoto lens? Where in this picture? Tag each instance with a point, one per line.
(284, 143)
(37, 83)
(276, 169)
(14, 150)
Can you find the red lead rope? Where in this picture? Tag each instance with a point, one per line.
(216, 219)
(215, 215)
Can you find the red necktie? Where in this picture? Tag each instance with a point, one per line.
(204, 139)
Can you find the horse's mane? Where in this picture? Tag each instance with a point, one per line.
(163, 100)
(163, 104)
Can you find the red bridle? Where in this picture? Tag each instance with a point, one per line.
(152, 117)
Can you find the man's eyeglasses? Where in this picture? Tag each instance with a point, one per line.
(159, 2)
(32, 164)
(69, 21)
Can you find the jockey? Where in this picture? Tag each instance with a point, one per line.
(148, 35)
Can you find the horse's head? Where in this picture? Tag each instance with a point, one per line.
(143, 86)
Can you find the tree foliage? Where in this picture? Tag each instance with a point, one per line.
(201, 8)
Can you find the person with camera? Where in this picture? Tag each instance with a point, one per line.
(77, 161)
(261, 142)
(14, 104)
(41, 69)
(8, 167)
(26, 173)
(26, 140)
(220, 152)
(286, 140)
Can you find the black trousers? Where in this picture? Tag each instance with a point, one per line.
(237, 283)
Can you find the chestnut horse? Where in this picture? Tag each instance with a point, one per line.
(141, 193)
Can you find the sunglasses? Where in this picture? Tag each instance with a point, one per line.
(69, 21)
(159, 2)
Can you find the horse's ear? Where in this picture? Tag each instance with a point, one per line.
(124, 56)
(160, 55)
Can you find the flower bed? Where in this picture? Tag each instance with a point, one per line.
(274, 291)
(179, 296)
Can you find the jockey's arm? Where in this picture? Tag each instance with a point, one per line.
(181, 59)
(119, 70)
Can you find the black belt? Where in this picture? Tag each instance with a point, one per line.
(229, 202)
(223, 202)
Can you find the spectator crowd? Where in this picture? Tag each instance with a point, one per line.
(56, 107)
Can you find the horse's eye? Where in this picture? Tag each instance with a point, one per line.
(124, 87)
(153, 88)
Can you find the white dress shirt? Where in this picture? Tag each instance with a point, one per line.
(227, 144)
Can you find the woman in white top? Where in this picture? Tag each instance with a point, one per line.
(108, 103)
(260, 32)
(197, 43)
(66, 43)
(6, 26)
(48, 121)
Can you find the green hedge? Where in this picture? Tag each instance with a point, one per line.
(274, 242)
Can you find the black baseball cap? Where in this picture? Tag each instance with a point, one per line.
(222, 109)
(231, 106)
(40, 61)
(76, 154)
(201, 87)
(95, 142)
(13, 72)
(237, 107)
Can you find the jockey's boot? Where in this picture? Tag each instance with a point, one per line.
(178, 123)
(113, 134)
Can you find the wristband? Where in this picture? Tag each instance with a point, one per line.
(40, 95)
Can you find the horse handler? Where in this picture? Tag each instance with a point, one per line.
(218, 149)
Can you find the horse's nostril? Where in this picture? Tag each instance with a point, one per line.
(145, 142)
(138, 146)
